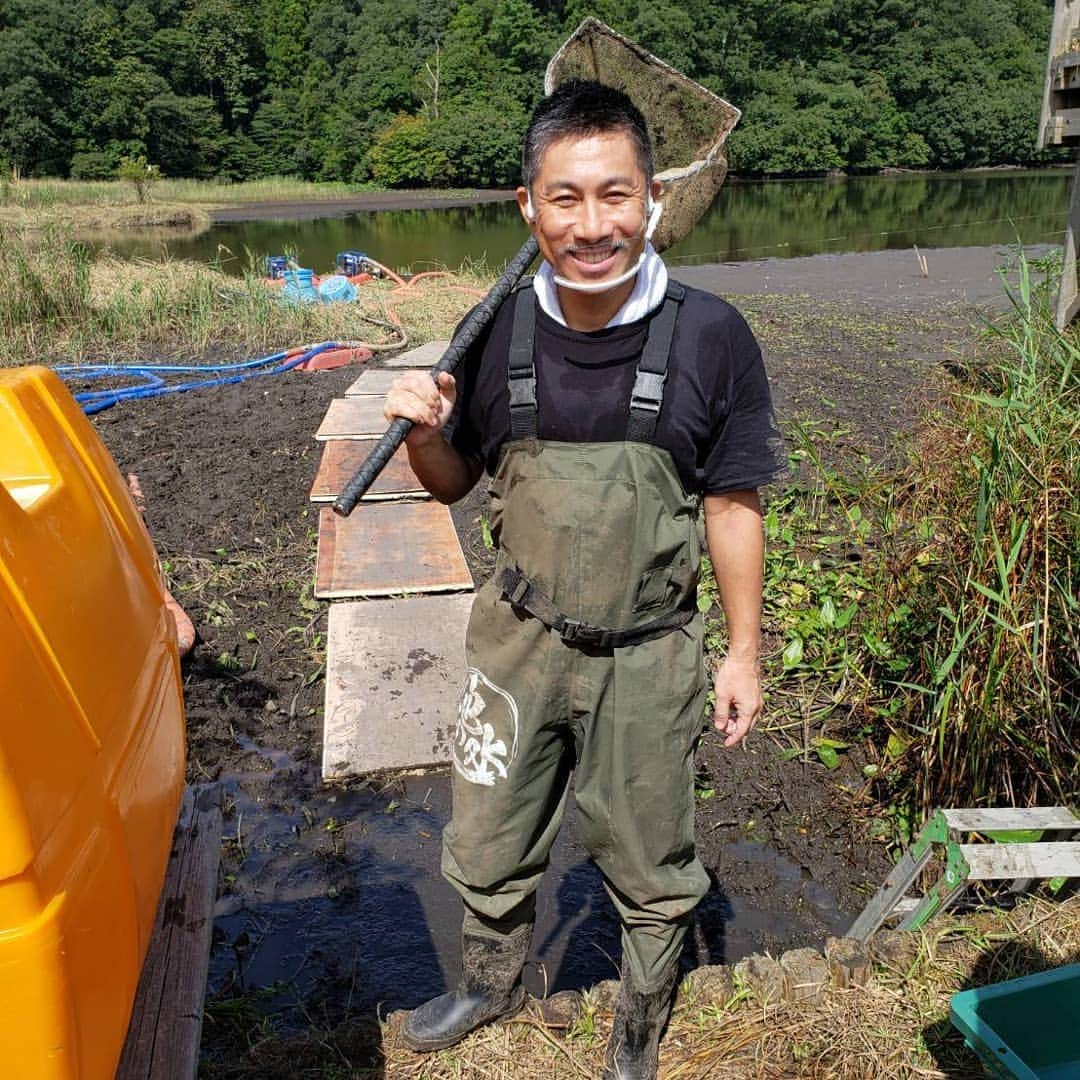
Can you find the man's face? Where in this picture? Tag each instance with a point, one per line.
(589, 198)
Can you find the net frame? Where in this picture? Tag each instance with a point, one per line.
(687, 123)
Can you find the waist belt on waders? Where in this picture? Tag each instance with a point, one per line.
(646, 398)
(525, 596)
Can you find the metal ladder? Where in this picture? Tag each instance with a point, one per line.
(1022, 856)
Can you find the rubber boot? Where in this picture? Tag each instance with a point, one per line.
(634, 1046)
(490, 970)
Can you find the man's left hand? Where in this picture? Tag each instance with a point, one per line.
(738, 699)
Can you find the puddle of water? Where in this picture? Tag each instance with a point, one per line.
(336, 896)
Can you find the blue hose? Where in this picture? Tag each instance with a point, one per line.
(151, 384)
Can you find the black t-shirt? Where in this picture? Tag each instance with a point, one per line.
(716, 420)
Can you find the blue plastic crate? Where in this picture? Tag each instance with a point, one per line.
(1024, 1029)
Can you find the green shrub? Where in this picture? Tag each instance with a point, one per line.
(403, 154)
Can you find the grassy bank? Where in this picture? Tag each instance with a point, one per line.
(922, 620)
(104, 204)
(897, 1026)
(60, 303)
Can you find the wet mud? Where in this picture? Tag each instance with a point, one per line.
(331, 905)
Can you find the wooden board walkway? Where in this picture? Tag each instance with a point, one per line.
(395, 661)
(342, 457)
(423, 356)
(353, 418)
(386, 549)
(375, 382)
(394, 671)
(166, 1020)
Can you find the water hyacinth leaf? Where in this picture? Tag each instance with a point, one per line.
(845, 616)
(895, 746)
(828, 756)
(828, 612)
(834, 744)
(793, 654)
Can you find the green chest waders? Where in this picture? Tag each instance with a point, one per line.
(584, 655)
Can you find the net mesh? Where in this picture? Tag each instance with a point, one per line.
(687, 123)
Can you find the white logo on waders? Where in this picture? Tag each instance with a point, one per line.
(480, 752)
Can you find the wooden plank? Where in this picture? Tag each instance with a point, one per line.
(389, 548)
(394, 672)
(978, 819)
(423, 356)
(375, 382)
(166, 1020)
(997, 862)
(353, 418)
(1065, 72)
(342, 457)
(1063, 124)
(1062, 30)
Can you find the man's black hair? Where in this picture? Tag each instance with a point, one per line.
(577, 109)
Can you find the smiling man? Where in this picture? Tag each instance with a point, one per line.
(611, 407)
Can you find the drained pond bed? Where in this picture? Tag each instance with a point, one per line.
(332, 913)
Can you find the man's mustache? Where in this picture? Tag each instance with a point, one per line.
(590, 249)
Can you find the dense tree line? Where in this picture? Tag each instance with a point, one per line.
(437, 91)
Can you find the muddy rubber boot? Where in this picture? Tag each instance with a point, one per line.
(634, 1046)
(490, 969)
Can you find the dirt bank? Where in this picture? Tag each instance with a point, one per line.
(359, 203)
(331, 904)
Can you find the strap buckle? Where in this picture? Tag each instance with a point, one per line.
(574, 632)
(522, 390)
(648, 392)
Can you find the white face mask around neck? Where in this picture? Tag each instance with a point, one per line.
(655, 209)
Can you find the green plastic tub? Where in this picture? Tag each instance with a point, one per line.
(1025, 1029)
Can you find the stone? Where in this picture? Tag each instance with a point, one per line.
(764, 977)
(895, 949)
(849, 964)
(807, 973)
(559, 1010)
(604, 994)
(710, 984)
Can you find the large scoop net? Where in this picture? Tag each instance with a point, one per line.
(688, 124)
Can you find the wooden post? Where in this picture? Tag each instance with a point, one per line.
(1068, 301)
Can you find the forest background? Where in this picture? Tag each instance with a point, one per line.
(437, 92)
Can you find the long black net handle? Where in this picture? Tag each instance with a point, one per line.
(470, 330)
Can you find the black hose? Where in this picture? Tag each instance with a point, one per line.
(470, 330)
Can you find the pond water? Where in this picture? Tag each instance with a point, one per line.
(748, 220)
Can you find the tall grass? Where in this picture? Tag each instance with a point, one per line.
(927, 619)
(59, 302)
(46, 194)
(990, 592)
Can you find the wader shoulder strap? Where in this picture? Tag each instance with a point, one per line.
(521, 372)
(524, 595)
(648, 393)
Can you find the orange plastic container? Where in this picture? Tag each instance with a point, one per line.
(91, 739)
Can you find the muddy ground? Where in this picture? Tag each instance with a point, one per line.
(331, 907)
